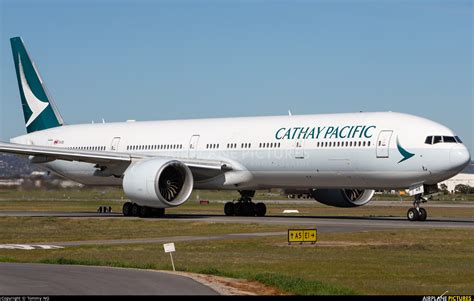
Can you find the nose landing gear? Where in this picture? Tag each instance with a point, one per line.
(244, 206)
(417, 213)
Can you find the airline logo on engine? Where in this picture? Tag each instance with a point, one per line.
(326, 132)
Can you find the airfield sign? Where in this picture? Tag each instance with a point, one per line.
(169, 248)
(302, 235)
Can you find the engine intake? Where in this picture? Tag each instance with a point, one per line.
(343, 197)
(158, 183)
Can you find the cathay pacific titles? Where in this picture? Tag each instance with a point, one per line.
(323, 132)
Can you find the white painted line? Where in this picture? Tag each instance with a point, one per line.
(29, 247)
(290, 211)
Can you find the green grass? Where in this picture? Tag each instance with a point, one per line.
(53, 229)
(310, 208)
(426, 262)
(301, 286)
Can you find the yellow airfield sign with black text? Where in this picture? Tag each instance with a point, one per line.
(302, 235)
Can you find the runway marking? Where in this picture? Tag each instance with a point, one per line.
(29, 247)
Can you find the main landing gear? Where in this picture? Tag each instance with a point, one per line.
(131, 209)
(244, 205)
(417, 213)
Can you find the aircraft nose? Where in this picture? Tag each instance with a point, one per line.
(459, 157)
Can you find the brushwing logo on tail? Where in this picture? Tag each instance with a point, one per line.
(36, 106)
(406, 154)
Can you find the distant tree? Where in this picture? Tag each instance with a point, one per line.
(461, 188)
(444, 188)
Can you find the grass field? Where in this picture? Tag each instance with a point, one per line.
(310, 208)
(426, 262)
(423, 262)
(88, 200)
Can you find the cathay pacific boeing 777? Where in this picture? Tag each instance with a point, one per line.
(339, 159)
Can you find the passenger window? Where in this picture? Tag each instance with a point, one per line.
(449, 139)
(437, 139)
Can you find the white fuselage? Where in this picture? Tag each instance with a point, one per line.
(358, 150)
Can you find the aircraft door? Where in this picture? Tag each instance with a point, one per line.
(299, 149)
(115, 143)
(383, 144)
(193, 143)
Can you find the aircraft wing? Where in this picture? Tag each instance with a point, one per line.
(105, 158)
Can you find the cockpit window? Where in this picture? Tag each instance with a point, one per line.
(449, 139)
(442, 139)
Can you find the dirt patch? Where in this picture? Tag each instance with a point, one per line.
(231, 286)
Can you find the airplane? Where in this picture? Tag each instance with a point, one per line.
(339, 159)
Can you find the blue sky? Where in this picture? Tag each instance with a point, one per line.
(152, 60)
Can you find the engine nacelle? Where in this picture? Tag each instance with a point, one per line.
(343, 197)
(158, 183)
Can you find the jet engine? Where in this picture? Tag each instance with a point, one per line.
(158, 183)
(343, 197)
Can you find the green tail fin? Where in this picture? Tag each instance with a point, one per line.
(38, 107)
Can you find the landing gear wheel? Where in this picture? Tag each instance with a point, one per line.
(239, 209)
(158, 212)
(260, 209)
(244, 209)
(423, 215)
(144, 211)
(229, 209)
(249, 209)
(127, 209)
(417, 213)
(412, 214)
(135, 210)
(244, 205)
